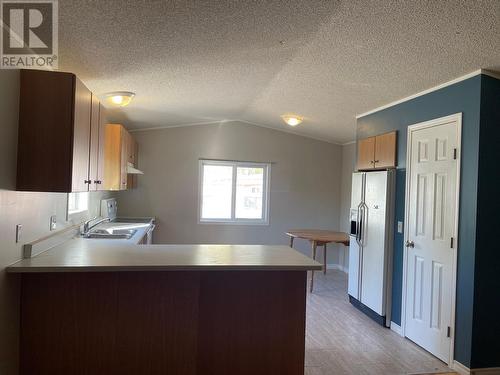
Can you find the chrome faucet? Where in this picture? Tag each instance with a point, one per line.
(87, 227)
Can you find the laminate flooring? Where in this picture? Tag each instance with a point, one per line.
(342, 340)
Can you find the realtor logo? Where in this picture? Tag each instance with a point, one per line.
(29, 34)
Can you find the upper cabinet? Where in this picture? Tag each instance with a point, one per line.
(97, 138)
(80, 179)
(120, 149)
(60, 136)
(366, 153)
(377, 152)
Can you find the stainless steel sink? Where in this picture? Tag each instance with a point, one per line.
(111, 233)
(141, 220)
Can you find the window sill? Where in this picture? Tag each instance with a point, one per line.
(242, 222)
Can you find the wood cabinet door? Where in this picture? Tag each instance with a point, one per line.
(100, 154)
(385, 151)
(366, 153)
(124, 146)
(81, 137)
(94, 144)
(45, 131)
(112, 157)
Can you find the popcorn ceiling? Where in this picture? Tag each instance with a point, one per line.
(205, 61)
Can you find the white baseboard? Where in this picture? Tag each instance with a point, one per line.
(396, 328)
(334, 266)
(461, 369)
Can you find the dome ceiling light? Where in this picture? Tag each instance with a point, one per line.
(119, 98)
(292, 120)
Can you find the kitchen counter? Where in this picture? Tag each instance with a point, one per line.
(85, 255)
(192, 309)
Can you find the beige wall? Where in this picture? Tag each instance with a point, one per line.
(32, 210)
(305, 182)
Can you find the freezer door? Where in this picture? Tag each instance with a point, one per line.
(357, 189)
(353, 281)
(357, 194)
(373, 268)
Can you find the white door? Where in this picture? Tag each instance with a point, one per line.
(432, 176)
(353, 281)
(374, 246)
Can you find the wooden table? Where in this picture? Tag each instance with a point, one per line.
(318, 237)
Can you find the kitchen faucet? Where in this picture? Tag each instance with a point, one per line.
(87, 227)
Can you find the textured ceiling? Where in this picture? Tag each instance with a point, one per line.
(203, 61)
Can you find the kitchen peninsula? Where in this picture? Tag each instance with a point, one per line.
(94, 308)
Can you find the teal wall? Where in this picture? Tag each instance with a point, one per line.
(486, 324)
(461, 97)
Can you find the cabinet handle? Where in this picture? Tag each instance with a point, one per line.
(372, 161)
(98, 182)
(87, 181)
(376, 161)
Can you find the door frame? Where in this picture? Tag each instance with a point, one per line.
(457, 118)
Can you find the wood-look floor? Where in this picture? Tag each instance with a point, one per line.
(342, 340)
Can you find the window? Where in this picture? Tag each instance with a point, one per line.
(234, 192)
(77, 203)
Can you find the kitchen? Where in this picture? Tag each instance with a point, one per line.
(130, 231)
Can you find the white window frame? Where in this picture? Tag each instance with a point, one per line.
(83, 206)
(233, 220)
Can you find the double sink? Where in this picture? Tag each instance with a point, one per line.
(111, 233)
(117, 233)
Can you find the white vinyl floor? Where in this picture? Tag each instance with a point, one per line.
(342, 340)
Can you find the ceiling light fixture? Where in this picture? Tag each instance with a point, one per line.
(120, 98)
(292, 120)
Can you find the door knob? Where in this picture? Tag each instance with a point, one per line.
(409, 244)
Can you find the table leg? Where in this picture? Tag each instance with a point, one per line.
(313, 250)
(291, 242)
(324, 258)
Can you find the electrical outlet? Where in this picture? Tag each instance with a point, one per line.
(400, 227)
(53, 222)
(18, 232)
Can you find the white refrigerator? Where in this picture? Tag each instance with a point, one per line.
(370, 248)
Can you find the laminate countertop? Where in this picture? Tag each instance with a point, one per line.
(86, 255)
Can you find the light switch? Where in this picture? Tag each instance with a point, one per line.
(400, 227)
(53, 222)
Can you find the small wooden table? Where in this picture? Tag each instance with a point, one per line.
(318, 237)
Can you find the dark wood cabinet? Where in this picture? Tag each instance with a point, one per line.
(59, 132)
(166, 322)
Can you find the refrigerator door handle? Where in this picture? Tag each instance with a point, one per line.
(364, 218)
(358, 225)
